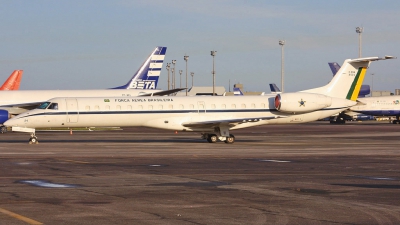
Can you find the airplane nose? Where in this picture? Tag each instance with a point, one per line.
(9, 123)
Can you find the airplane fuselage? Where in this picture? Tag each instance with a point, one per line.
(16, 102)
(378, 106)
(165, 112)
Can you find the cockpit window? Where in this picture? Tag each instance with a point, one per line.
(53, 106)
(44, 105)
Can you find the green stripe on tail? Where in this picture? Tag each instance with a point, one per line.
(356, 85)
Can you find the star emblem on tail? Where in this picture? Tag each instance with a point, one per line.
(302, 103)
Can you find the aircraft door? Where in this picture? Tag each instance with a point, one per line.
(72, 110)
(201, 107)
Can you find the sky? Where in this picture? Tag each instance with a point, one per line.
(98, 44)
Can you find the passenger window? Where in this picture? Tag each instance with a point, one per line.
(129, 107)
(87, 108)
(243, 106)
(118, 107)
(107, 107)
(96, 107)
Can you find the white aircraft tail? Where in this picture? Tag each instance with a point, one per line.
(348, 80)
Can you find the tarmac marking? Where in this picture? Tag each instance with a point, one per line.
(20, 217)
(75, 161)
(26, 153)
(273, 160)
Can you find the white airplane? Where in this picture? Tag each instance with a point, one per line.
(213, 116)
(143, 82)
(379, 106)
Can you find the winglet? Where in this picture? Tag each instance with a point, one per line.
(147, 75)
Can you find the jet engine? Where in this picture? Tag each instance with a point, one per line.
(301, 102)
(4, 116)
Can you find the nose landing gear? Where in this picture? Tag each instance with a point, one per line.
(33, 139)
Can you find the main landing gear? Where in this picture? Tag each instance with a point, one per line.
(33, 139)
(3, 129)
(396, 121)
(221, 133)
(213, 138)
(339, 119)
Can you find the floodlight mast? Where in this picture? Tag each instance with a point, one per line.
(180, 78)
(213, 53)
(186, 58)
(192, 74)
(372, 86)
(282, 43)
(168, 67)
(173, 74)
(359, 30)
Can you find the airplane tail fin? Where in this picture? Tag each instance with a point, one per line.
(335, 67)
(347, 81)
(13, 82)
(237, 91)
(274, 88)
(147, 75)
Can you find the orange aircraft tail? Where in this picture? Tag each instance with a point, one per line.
(13, 82)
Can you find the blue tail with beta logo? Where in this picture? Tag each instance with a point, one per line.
(147, 75)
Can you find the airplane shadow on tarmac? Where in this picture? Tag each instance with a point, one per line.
(174, 140)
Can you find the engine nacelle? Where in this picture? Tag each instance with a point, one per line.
(4, 116)
(301, 102)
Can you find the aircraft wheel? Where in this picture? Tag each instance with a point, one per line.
(33, 140)
(3, 129)
(230, 139)
(212, 138)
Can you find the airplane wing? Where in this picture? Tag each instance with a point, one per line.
(15, 109)
(161, 93)
(229, 122)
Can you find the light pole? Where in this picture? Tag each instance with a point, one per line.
(186, 57)
(180, 78)
(168, 67)
(173, 74)
(282, 43)
(372, 86)
(192, 74)
(213, 53)
(359, 30)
